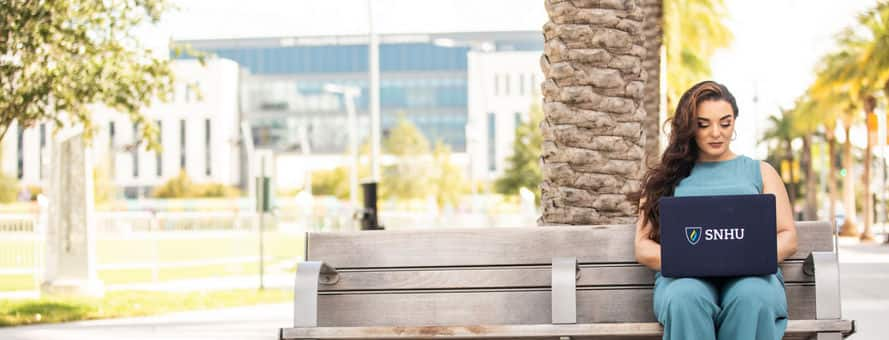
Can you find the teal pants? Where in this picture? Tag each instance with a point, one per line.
(752, 307)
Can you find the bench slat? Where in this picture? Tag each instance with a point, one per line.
(446, 308)
(501, 246)
(509, 277)
(796, 329)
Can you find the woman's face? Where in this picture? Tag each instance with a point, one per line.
(716, 124)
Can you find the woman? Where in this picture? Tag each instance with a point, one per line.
(698, 161)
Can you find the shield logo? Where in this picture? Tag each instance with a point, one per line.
(693, 235)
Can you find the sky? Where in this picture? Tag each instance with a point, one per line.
(773, 56)
(776, 48)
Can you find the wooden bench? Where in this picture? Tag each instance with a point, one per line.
(536, 282)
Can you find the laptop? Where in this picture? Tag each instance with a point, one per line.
(717, 236)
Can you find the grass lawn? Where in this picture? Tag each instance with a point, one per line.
(124, 304)
(17, 282)
(20, 254)
(123, 276)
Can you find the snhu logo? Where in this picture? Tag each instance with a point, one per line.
(693, 235)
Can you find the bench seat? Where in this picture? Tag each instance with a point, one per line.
(796, 329)
(534, 282)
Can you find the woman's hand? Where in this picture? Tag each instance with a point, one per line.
(772, 184)
(648, 252)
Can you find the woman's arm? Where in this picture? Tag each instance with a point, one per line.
(648, 252)
(772, 184)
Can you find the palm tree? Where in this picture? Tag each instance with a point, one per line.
(653, 30)
(863, 67)
(693, 31)
(592, 149)
(690, 44)
(874, 68)
(850, 225)
(829, 129)
(828, 108)
(782, 132)
(870, 104)
(807, 119)
(838, 73)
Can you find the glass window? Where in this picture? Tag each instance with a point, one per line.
(492, 145)
(207, 148)
(522, 84)
(135, 150)
(20, 147)
(111, 136)
(42, 145)
(159, 160)
(506, 81)
(496, 84)
(182, 144)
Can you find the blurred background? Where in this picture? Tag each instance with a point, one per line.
(404, 114)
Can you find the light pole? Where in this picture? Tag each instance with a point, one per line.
(374, 86)
(349, 93)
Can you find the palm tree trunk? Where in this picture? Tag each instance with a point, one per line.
(593, 111)
(850, 228)
(886, 95)
(653, 30)
(831, 178)
(810, 212)
(866, 235)
(870, 103)
(791, 185)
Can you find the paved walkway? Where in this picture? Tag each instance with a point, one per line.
(864, 280)
(243, 323)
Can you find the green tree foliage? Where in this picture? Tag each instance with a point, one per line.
(693, 31)
(446, 177)
(176, 187)
(9, 189)
(334, 182)
(182, 186)
(523, 166)
(408, 178)
(103, 186)
(59, 56)
(412, 175)
(781, 131)
(218, 190)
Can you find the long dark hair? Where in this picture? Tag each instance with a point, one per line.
(681, 153)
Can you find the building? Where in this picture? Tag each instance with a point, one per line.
(464, 89)
(198, 133)
(502, 88)
(468, 90)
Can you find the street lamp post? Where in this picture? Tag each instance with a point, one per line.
(374, 86)
(349, 93)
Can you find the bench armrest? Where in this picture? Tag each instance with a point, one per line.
(565, 273)
(825, 267)
(305, 291)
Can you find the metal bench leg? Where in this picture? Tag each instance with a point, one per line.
(305, 291)
(825, 267)
(829, 336)
(564, 290)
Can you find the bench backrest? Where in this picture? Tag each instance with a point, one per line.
(495, 276)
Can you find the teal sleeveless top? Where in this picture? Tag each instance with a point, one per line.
(736, 176)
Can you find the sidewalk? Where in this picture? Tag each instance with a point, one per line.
(279, 281)
(259, 322)
(864, 282)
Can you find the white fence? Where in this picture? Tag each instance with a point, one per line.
(142, 246)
